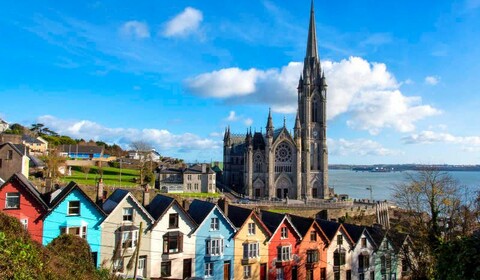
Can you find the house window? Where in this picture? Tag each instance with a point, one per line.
(363, 262)
(78, 231)
(284, 253)
(172, 242)
(129, 239)
(385, 245)
(214, 225)
(208, 269)
(313, 235)
(251, 228)
(199, 177)
(166, 269)
(9, 154)
(364, 242)
(404, 265)
(339, 258)
(173, 220)
(336, 275)
(339, 239)
(372, 275)
(247, 272)
(118, 265)
(196, 186)
(323, 273)
(74, 207)
(280, 274)
(349, 275)
(24, 223)
(214, 247)
(284, 233)
(128, 214)
(189, 186)
(251, 250)
(189, 177)
(12, 200)
(312, 256)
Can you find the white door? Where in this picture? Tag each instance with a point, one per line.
(141, 269)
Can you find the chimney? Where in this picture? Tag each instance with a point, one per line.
(258, 212)
(223, 203)
(48, 185)
(146, 195)
(186, 204)
(204, 168)
(100, 192)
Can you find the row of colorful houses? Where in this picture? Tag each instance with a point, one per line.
(202, 239)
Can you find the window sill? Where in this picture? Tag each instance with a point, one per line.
(12, 208)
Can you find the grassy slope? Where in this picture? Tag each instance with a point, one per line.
(111, 176)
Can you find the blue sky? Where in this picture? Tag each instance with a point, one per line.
(403, 75)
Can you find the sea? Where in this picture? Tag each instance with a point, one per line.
(357, 184)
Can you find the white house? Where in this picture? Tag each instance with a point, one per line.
(3, 125)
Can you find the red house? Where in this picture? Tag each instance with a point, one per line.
(283, 260)
(21, 199)
(312, 249)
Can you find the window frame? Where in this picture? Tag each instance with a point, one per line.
(340, 239)
(214, 247)
(168, 239)
(312, 256)
(284, 233)
(252, 230)
(214, 224)
(251, 250)
(8, 199)
(175, 218)
(129, 239)
(82, 231)
(313, 236)
(209, 269)
(127, 217)
(168, 265)
(71, 208)
(247, 271)
(284, 253)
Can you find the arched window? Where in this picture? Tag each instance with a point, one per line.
(314, 109)
(283, 158)
(258, 163)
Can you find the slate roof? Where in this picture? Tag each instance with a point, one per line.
(354, 231)
(36, 162)
(22, 149)
(83, 149)
(397, 239)
(258, 141)
(377, 235)
(113, 200)
(238, 215)
(330, 228)
(272, 220)
(31, 139)
(302, 224)
(159, 205)
(59, 195)
(197, 168)
(29, 187)
(199, 210)
(169, 170)
(14, 147)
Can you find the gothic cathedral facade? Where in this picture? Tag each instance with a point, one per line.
(275, 164)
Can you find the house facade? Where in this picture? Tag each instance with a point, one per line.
(125, 231)
(82, 151)
(73, 212)
(283, 258)
(3, 125)
(251, 242)
(312, 249)
(214, 244)
(19, 198)
(13, 160)
(173, 242)
(363, 257)
(199, 178)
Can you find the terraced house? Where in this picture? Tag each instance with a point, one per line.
(251, 242)
(363, 266)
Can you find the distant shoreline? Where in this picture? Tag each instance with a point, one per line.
(403, 167)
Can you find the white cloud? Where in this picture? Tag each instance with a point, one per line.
(429, 137)
(432, 80)
(232, 117)
(248, 121)
(359, 147)
(135, 29)
(366, 91)
(184, 23)
(165, 141)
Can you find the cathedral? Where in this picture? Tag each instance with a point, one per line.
(275, 163)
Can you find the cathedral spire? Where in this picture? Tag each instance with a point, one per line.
(312, 36)
(269, 124)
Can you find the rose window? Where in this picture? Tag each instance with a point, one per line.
(283, 153)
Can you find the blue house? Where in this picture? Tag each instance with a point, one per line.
(214, 246)
(73, 212)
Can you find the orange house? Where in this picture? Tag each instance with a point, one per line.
(312, 250)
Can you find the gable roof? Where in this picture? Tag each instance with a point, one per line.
(239, 216)
(274, 220)
(117, 197)
(13, 147)
(28, 186)
(331, 228)
(160, 204)
(199, 211)
(354, 231)
(397, 239)
(61, 194)
(303, 224)
(377, 235)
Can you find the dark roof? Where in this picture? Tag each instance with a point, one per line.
(31, 139)
(330, 228)
(238, 215)
(169, 170)
(29, 187)
(197, 168)
(278, 131)
(14, 147)
(199, 210)
(258, 141)
(377, 235)
(302, 224)
(159, 205)
(216, 168)
(66, 191)
(354, 231)
(113, 200)
(22, 149)
(271, 220)
(36, 162)
(397, 239)
(84, 149)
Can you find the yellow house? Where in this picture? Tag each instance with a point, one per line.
(251, 243)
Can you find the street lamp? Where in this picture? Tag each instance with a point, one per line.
(371, 192)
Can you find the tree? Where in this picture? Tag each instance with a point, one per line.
(145, 162)
(432, 215)
(86, 170)
(53, 162)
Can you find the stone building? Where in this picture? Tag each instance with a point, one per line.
(194, 179)
(275, 163)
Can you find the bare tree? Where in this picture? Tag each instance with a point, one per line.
(86, 170)
(53, 162)
(145, 161)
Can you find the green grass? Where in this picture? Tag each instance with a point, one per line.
(198, 195)
(111, 176)
(279, 210)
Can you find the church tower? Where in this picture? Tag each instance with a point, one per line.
(312, 101)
